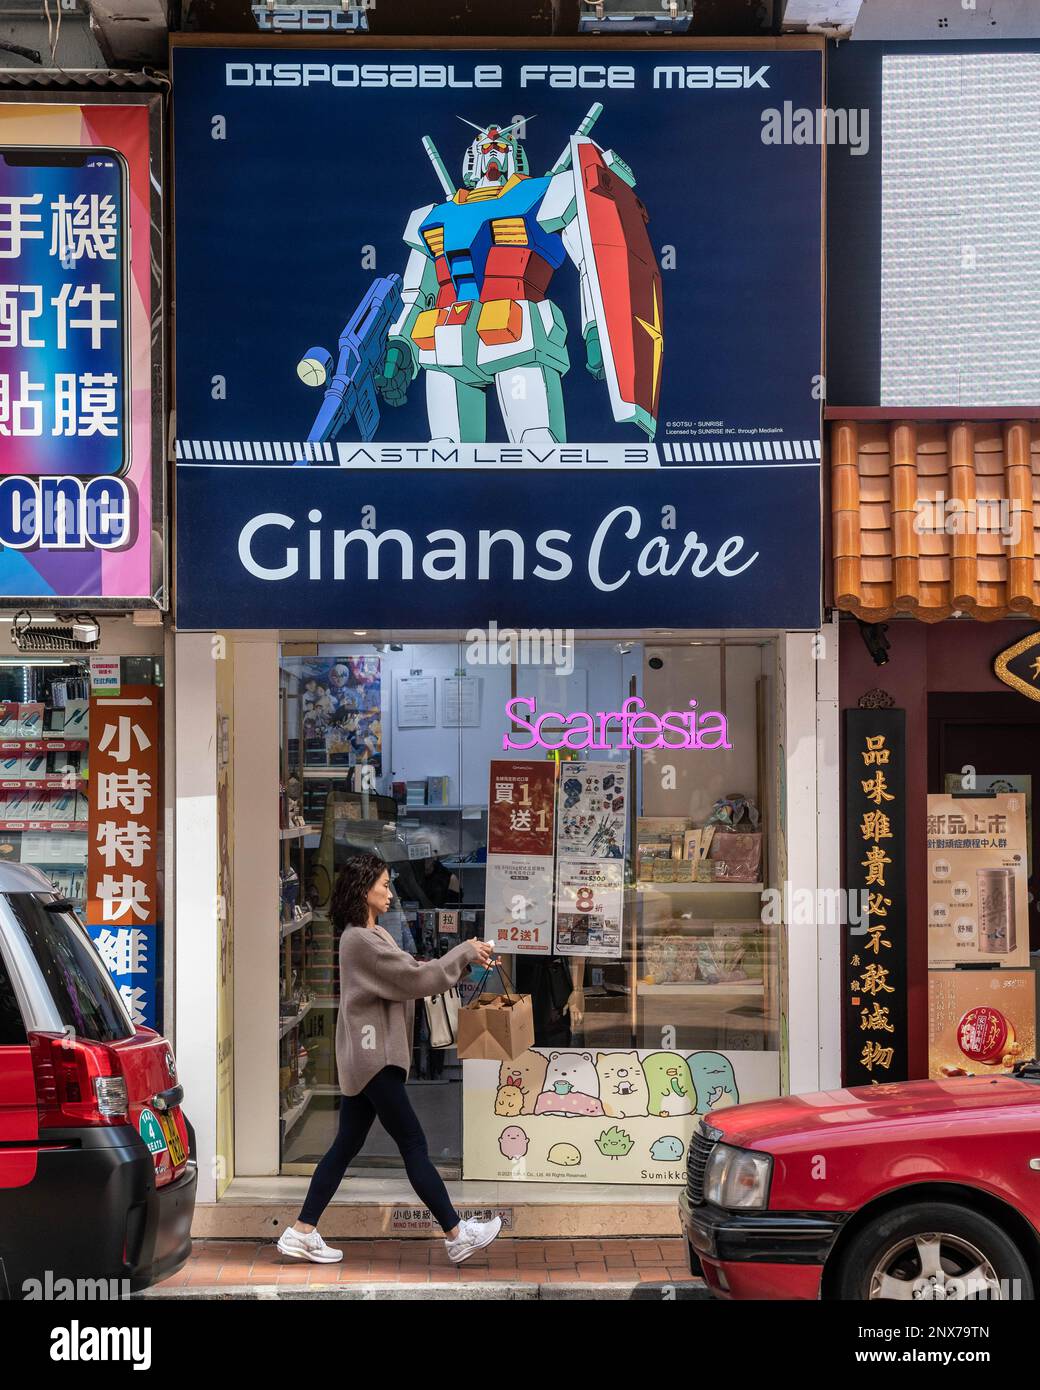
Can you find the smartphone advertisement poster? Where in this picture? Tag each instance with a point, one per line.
(80, 370)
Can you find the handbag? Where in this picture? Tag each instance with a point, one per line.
(495, 1027)
(442, 1017)
(737, 856)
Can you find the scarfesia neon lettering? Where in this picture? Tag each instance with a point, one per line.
(635, 726)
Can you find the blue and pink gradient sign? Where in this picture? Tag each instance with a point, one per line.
(77, 360)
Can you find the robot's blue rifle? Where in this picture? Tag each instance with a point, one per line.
(352, 391)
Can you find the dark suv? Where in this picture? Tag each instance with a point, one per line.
(97, 1178)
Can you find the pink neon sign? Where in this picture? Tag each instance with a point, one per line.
(640, 727)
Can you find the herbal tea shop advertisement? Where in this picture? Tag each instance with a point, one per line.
(978, 895)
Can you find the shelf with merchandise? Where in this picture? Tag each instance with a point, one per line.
(295, 1113)
(45, 745)
(702, 988)
(53, 781)
(286, 928)
(77, 826)
(289, 1025)
(697, 887)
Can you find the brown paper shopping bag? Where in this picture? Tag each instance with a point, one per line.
(495, 1027)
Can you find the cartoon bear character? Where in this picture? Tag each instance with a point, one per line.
(622, 1085)
(527, 1073)
(670, 1083)
(571, 1086)
(714, 1080)
(571, 1071)
(509, 1101)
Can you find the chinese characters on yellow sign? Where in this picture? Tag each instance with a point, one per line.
(874, 945)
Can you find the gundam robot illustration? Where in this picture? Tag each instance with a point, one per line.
(473, 310)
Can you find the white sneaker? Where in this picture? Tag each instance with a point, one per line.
(472, 1236)
(307, 1247)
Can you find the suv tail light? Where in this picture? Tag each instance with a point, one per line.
(77, 1082)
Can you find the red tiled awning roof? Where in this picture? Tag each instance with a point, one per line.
(932, 518)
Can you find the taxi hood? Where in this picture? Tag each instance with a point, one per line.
(810, 1117)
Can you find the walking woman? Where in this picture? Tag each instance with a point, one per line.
(379, 984)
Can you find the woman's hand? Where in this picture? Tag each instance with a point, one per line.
(483, 952)
(575, 1008)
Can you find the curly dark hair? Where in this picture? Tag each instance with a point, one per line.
(348, 906)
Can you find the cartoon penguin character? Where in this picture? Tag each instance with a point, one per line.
(671, 1085)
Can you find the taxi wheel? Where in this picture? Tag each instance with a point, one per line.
(933, 1252)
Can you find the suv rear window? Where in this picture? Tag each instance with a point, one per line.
(83, 991)
(12, 1029)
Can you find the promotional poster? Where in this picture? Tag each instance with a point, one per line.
(341, 699)
(978, 891)
(598, 1114)
(592, 831)
(543, 369)
(518, 904)
(980, 1022)
(81, 474)
(985, 783)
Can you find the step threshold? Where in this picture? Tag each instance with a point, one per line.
(256, 1207)
(677, 1291)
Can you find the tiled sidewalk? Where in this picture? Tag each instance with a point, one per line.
(222, 1263)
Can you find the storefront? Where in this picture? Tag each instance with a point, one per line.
(575, 693)
(935, 554)
(83, 584)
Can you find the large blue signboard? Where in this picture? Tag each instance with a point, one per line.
(467, 335)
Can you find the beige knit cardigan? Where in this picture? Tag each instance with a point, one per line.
(379, 984)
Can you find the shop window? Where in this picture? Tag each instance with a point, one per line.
(397, 747)
(50, 757)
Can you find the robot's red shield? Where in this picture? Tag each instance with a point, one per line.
(626, 282)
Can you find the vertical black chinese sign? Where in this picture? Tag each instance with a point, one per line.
(874, 934)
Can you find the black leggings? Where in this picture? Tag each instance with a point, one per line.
(384, 1096)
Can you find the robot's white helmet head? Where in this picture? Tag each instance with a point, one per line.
(494, 156)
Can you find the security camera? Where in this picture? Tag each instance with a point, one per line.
(875, 641)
